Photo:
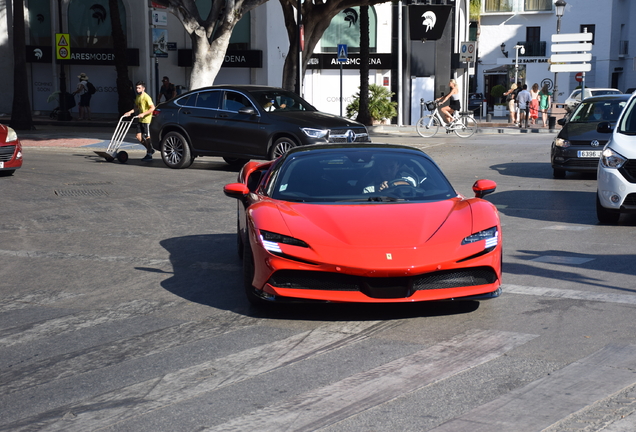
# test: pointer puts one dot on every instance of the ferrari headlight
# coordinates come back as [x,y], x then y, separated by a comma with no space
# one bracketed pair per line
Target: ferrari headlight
[560,142]
[491,235]
[271,241]
[611,159]
[11,135]
[315,133]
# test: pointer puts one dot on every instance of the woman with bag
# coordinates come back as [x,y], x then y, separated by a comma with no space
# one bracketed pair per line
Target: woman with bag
[512,104]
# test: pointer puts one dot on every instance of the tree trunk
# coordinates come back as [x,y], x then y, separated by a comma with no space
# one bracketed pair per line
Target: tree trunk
[21,109]
[125,91]
[208,58]
[364,116]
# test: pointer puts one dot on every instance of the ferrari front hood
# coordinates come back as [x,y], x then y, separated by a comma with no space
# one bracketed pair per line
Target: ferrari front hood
[397,225]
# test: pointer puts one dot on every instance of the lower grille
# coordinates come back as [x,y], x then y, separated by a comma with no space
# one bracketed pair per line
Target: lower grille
[630,200]
[583,163]
[6,153]
[629,170]
[390,287]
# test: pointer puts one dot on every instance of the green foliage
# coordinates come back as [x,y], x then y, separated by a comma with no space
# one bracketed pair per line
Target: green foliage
[497,91]
[475,10]
[380,105]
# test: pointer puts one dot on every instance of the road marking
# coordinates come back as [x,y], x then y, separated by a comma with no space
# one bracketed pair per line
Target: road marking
[362,391]
[64,255]
[555,259]
[568,227]
[70,323]
[570,294]
[36,298]
[117,352]
[543,402]
[141,398]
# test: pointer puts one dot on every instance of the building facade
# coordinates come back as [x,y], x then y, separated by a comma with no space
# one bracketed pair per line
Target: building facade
[531,23]
[413,66]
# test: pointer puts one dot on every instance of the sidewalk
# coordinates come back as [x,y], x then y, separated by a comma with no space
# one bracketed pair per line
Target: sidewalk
[97,133]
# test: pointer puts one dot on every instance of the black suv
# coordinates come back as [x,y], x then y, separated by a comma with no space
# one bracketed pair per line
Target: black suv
[243,122]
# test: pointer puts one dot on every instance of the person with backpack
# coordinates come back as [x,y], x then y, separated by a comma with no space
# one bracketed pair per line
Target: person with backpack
[85,90]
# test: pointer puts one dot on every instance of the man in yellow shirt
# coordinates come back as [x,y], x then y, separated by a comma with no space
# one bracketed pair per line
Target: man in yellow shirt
[145,106]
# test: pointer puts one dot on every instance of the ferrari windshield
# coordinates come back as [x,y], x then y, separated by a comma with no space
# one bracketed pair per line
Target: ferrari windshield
[365,175]
[598,111]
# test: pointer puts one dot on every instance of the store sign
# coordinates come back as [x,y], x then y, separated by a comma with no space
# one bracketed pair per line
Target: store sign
[233,58]
[81,56]
[427,22]
[330,61]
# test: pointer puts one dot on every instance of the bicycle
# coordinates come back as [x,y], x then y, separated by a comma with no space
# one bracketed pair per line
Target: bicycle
[463,124]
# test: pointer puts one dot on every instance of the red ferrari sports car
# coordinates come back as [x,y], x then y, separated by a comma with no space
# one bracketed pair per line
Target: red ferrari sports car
[363,223]
[10,151]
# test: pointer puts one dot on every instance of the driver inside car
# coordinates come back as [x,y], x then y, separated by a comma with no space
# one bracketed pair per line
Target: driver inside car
[388,173]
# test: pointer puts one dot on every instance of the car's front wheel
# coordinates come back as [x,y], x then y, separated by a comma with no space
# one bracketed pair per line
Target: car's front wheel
[606,216]
[280,147]
[175,151]
[248,277]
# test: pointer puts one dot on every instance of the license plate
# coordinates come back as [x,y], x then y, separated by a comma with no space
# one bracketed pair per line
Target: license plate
[590,153]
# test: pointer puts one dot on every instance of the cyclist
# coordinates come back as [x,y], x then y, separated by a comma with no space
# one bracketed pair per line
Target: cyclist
[455,104]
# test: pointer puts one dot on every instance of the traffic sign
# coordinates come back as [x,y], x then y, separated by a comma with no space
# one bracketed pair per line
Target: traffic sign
[579,77]
[342,53]
[572,37]
[571,67]
[571,47]
[566,58]
[62,46]
[467,51]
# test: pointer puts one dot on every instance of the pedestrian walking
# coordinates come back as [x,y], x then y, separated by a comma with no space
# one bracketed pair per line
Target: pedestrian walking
[167,90]
[534,103]
[512,103]
[145,106]
[84,91]
[544,103]
[523,104]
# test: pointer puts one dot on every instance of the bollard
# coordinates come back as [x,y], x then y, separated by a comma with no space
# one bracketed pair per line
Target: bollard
[551,122]
[421,107]
[488,117]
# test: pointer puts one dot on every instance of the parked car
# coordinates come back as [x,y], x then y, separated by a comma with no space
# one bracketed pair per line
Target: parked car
[616,178]
[243,122]
[475,103]
[370,223]
[10,151]
[575,97]
[578,145]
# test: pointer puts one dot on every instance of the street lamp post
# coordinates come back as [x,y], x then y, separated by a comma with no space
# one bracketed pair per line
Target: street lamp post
[63,114]
[523,51]
[559,5]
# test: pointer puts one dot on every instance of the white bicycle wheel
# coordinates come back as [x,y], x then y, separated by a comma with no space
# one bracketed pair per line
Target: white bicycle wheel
[465,127]
[427,126]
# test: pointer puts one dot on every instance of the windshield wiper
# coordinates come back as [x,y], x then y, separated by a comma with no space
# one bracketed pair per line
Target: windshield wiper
[385,198]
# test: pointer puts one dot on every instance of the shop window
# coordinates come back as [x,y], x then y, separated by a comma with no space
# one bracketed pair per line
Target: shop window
[40,22]
[89,23]
[538,5]
[498,6]
[345,29]
[240,39]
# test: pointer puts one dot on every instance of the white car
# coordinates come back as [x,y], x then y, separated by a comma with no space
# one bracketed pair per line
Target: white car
[575,97]
[616,188]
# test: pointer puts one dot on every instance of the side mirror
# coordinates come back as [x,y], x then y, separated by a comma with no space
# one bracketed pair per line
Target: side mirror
[236,190]
[604,127]
[562,121]
[484,187]
[247,110]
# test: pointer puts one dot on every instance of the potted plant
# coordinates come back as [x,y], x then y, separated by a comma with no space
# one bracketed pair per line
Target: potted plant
[497,92]
[381,108]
